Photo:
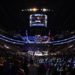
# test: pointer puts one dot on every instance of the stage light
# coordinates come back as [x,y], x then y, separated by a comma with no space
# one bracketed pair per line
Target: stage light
[29,9]
[44,9]
[7,47]
[34,9]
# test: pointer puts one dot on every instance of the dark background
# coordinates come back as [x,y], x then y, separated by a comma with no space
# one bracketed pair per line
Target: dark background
[61,19]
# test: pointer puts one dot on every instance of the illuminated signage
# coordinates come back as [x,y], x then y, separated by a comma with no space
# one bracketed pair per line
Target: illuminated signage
[38,20]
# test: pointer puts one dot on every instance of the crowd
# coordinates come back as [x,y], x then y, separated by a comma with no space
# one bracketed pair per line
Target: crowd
[21,66]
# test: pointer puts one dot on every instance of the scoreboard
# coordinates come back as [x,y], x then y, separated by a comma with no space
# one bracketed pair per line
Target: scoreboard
[38,20]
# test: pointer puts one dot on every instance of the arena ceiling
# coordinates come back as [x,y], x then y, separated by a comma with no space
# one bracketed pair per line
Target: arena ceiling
[63,18]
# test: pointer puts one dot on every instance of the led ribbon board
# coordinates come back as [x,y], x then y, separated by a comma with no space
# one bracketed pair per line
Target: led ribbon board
[38,20]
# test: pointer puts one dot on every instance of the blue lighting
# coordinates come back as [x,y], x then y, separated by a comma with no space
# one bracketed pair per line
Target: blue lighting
[38,20]
[31,40]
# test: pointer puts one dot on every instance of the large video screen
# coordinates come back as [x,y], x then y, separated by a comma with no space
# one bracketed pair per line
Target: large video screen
[38,20]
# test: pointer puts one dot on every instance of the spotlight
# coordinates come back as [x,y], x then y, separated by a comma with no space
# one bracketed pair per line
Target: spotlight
[34,9]
[29,9]
[44,9]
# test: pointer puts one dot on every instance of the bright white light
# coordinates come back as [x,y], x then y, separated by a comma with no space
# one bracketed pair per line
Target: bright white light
[37,53]
[7,47]
[44,9]
[70,46]
[34,9]
[30,9]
